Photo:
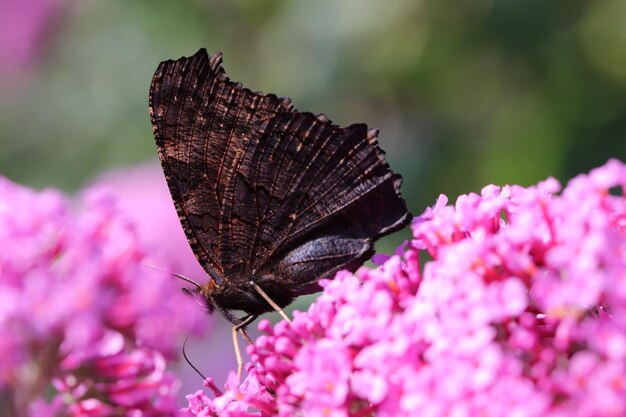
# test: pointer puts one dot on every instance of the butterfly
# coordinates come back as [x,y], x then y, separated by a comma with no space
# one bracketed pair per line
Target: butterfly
[271,199]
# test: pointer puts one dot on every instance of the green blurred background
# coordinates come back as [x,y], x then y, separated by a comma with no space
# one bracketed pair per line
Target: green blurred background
[465,93]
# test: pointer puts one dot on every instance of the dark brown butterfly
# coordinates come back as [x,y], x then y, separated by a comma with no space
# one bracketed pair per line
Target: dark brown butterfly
[266,194]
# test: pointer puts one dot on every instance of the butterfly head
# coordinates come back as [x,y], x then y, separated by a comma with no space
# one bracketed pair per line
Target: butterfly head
[202,294]
[208,296]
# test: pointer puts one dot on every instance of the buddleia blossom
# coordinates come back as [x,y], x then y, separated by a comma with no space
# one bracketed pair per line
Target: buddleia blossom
[520,312]
[86,326]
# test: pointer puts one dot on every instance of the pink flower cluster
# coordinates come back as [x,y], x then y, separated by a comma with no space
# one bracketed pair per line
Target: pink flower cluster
[85,324]
[521,312]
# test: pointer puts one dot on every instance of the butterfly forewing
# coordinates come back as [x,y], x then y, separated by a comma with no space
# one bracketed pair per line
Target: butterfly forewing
[201,123]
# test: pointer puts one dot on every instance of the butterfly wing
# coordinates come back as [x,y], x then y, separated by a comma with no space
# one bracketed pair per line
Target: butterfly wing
[264,191]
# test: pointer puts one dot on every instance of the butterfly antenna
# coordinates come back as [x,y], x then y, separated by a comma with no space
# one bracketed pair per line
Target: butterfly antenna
[187,358]
[189,280]
[270,301]
[179,276]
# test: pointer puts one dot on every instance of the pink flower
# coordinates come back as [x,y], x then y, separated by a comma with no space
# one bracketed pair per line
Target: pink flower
[80,309]
[119,383]
[521,312]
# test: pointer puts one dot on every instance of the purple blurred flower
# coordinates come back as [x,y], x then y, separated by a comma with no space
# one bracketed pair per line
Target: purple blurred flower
[80,311]
[521,312]
[119,383]
[23,26]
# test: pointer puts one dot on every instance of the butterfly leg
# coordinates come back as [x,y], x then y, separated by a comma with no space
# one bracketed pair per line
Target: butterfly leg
[270,301]
[241,327]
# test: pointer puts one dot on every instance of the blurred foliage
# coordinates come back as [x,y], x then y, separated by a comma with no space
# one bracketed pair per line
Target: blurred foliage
[465,93]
